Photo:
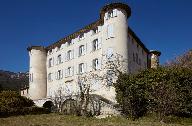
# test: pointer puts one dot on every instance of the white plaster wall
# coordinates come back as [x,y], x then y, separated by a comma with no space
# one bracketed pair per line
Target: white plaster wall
[38,86]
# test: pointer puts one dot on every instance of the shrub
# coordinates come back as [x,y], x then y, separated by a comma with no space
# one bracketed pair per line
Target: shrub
[164,91]
[11,103]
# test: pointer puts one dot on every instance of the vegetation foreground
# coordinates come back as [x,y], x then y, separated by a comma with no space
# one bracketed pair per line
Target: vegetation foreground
[64,120]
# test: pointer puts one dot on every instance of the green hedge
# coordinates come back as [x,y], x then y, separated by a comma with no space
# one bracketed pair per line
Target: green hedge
[164,91]
[11,103]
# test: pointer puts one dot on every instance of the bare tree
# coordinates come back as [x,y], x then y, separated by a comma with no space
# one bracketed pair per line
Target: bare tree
[112,66]
[184,60]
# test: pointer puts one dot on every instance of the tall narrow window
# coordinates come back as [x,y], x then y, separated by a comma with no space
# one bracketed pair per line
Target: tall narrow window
[59,59]
[31,77]
[133,57]
[137,58]
[95,64]
[50,77]
[69,55]
[59,74]
[81,68]
[95,45]
[81,50]
[50,62]
[110,31]
[69,70]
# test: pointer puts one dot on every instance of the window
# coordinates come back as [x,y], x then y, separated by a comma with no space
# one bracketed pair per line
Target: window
[81,50]
[133,57]
[110,31]
[59,59]
[69,71]
[139,61]
[50,52]
[110,14]
[95,45]
[81,36]
[59,74]
[69,42]
[109,53]
[95,64]
[50,62]
[95,30]
[31,77]
[50,77]
[81,68]
[137,58]
[69,55]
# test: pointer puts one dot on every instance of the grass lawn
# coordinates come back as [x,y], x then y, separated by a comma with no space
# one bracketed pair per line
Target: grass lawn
[63,120]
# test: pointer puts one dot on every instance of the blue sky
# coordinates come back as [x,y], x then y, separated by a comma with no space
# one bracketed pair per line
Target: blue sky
[165,25]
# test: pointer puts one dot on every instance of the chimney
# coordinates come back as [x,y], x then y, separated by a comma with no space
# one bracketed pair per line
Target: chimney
[154,58]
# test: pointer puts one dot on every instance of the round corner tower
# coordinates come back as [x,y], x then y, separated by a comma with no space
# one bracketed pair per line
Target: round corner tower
[37,72]
[154,58]
[115,24]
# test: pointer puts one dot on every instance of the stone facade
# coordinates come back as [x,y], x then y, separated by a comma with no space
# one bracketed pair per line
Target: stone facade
[60,64]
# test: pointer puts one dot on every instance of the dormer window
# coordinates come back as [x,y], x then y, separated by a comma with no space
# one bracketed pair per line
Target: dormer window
[81,36]
[95,30]
[69,42]
[110,14]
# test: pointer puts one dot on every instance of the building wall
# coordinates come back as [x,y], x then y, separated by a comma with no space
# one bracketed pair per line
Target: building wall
[137,56]
[113,38]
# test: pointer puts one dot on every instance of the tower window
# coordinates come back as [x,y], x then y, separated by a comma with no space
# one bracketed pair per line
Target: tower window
[110,14]
[82,36]
[95,30]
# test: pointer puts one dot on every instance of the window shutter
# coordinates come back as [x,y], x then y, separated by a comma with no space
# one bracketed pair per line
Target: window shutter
[84,49]
[72,71]
[72,54]
[110,31]
[77,69]
[77,52]
[65,56]
[115,13]
[56,75]
[52,62]
[66,72]
[84,67]
[99,63]
[109,53]
[61,74]
[99,42]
